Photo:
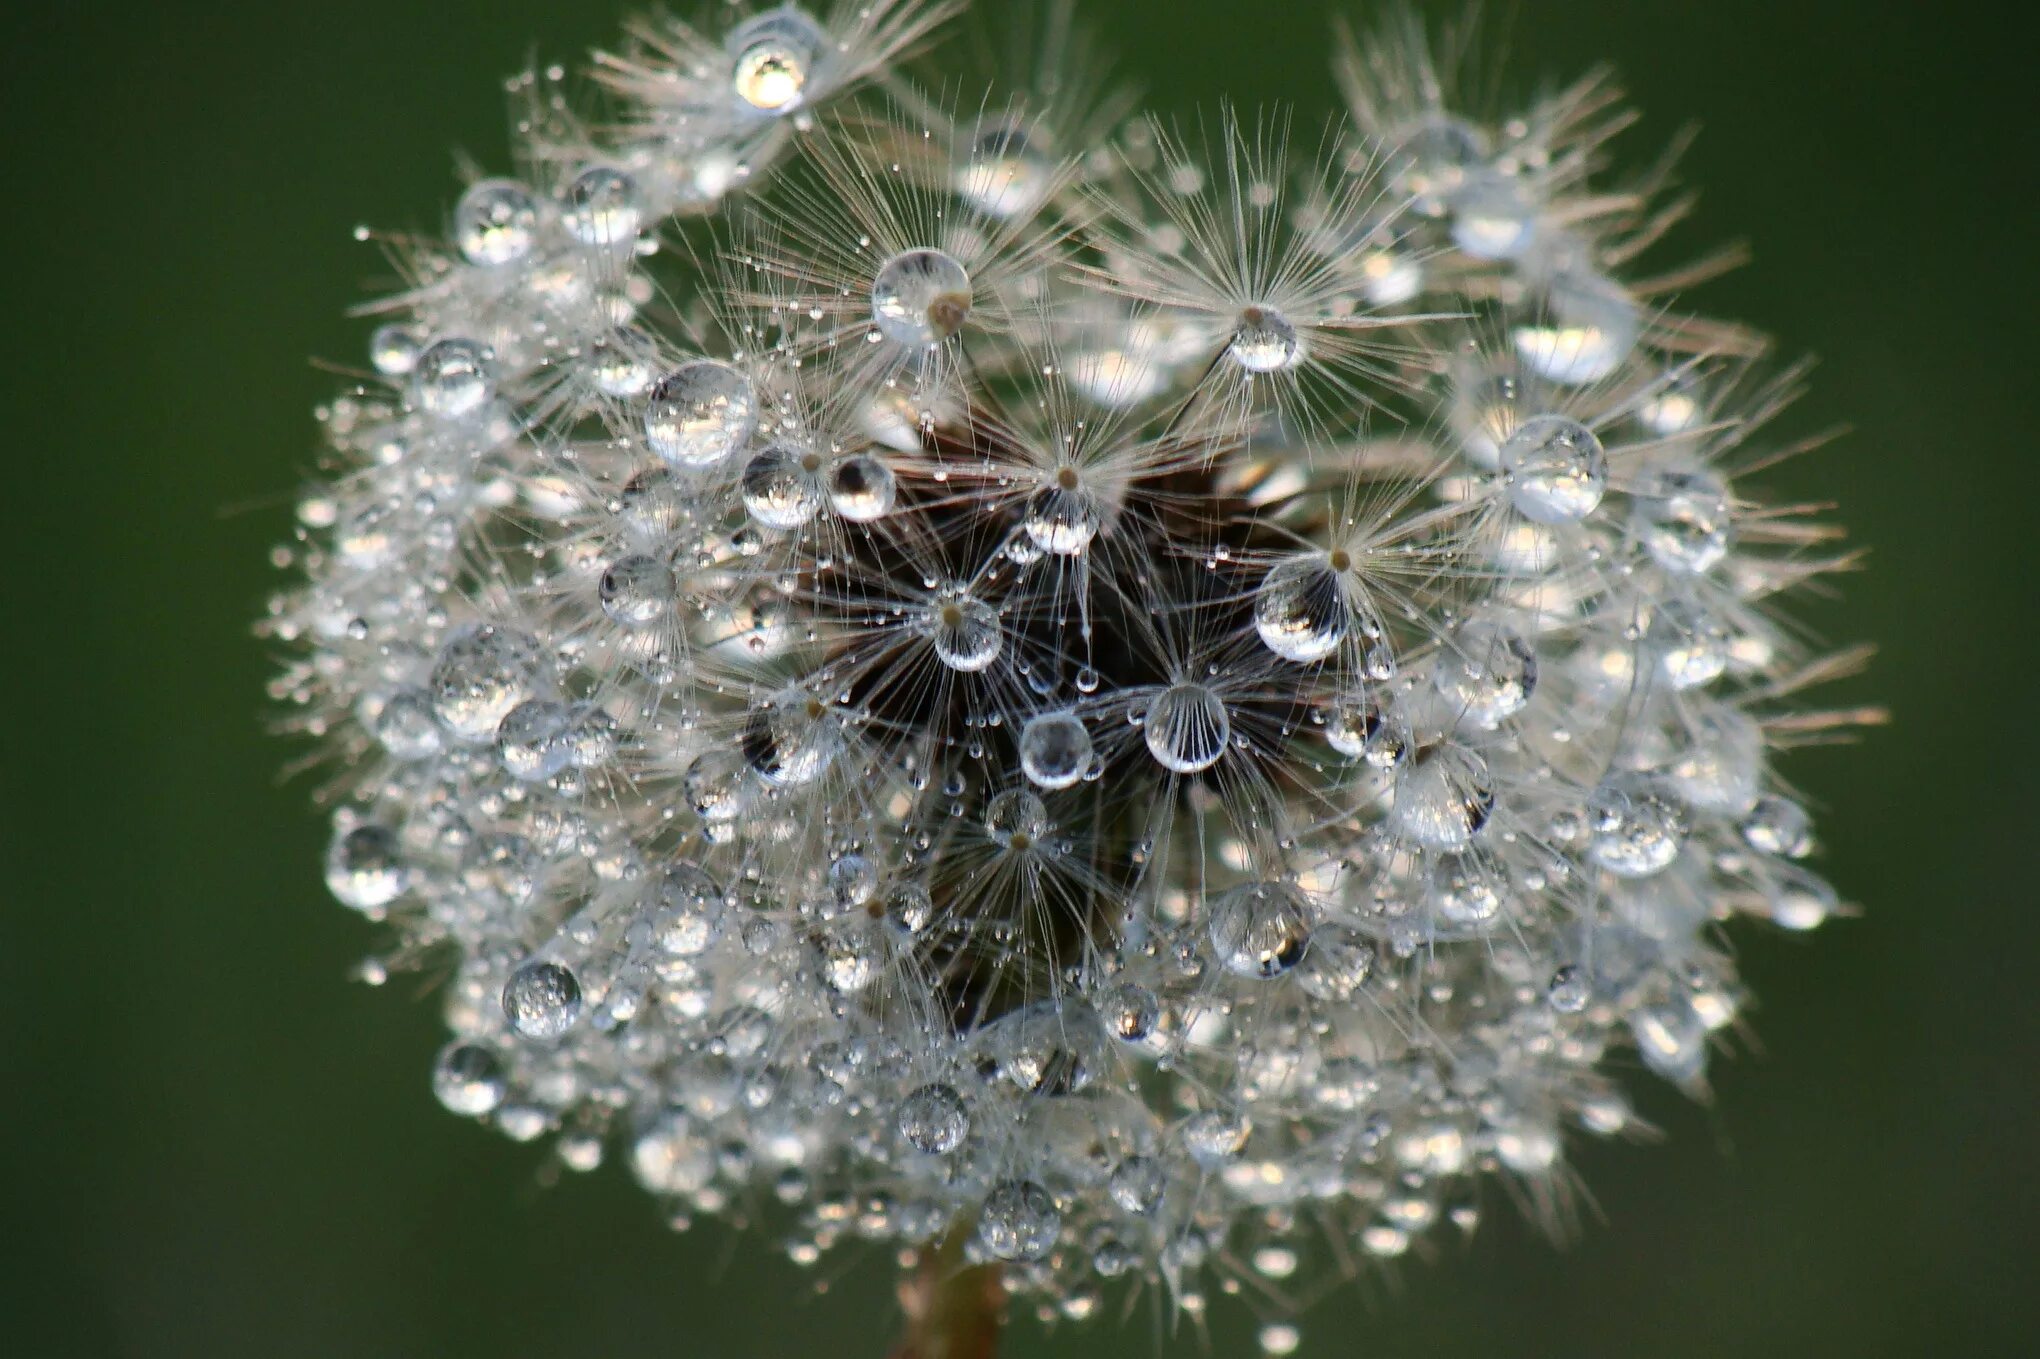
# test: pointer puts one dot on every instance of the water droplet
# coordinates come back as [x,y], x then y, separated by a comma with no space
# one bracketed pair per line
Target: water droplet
[453,379]
[393,350]
[920,298]
[468,1079]
[1278,1338]
[481,673]
[1444,798]
[1671,1039]
[1259,930]
[1017,820]
[700,413]
[1569,990]
[532,740]
[365,868]
[775,55]
[1361,729]
[1799,900]
[1187,728]
[1636,830]
[781,488]
[1214,1137]
[602,207]
[1467,891]
[933,1119]
[792,738]
[1492,216]
[1302,609]
[1780,826]
[1005,174]
[1019,1221]
[1487,672]
[686,911]
[1055,750]
[1265,341]
[964,630]
[909,909]
[1593,326]
[1690,642]
[636,590]
[1555,469]
[407,726]
[1063,516]
[1682,518]
[496,222]
[542,1000]
[862,488]
[853,953]
[1130,1011]
[1137,1184]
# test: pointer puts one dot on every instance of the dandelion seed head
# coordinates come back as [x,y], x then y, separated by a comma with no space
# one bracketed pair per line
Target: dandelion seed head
[1156,706]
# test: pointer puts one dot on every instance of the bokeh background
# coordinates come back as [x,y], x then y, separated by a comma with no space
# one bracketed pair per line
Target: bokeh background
[214,1145]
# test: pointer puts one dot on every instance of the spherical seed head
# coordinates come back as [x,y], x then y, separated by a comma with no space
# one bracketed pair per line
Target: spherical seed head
[1153,702]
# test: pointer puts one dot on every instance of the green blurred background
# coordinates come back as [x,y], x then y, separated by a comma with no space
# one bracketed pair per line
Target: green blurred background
[216,1146]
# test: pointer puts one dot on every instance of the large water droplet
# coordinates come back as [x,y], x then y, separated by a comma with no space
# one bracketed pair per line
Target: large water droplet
[1635,829]
[1555,469]
[481,673]
[1019,1221]
[496,222]
[365,868]
[453,379]
[1444,798]
[1055,750]
[933,1119]
[700,413]
[920,298]
[542,1000]
[964,630]
[1302,610]
[1187,728]
[781,487]
[1260,930]
[1487,672]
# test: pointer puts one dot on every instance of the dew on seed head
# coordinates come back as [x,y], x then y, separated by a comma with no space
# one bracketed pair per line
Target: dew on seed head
[1187,728]
[453,379]
[1486,672]
[1019,1221]
[496,222]
[365,868]
[1555,469]
[542,999]
[964,631]
[636,590]
[933,1119]
[1055,750]
[919,298]
[1260,930]
[481,673]
[774,59]
[861,488]
[1634,828]
[1302,611]
[468,1079]
[700,413]
[602,207]
[1265,341]
[780,486]
[1444,798]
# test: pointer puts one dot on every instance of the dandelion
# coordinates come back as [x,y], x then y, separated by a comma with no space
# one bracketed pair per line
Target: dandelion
[1114,710]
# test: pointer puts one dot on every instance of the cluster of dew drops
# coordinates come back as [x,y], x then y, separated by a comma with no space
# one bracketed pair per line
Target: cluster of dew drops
[1156,707]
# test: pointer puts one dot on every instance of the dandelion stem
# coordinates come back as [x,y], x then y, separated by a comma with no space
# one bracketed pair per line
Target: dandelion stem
[953,1310]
